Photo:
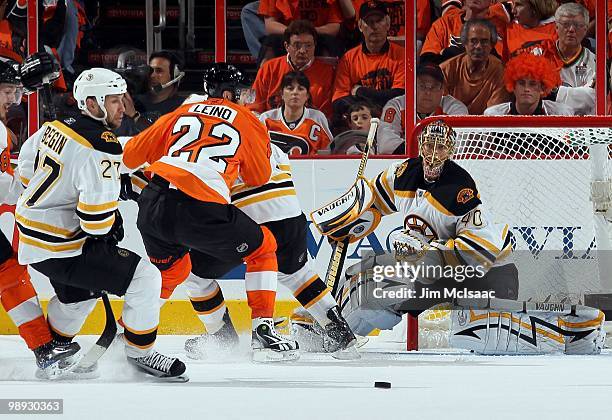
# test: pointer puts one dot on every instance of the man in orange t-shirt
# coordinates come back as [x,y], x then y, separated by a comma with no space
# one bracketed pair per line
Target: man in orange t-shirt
[373,70]
[325,16]
[443,40]
[300,40]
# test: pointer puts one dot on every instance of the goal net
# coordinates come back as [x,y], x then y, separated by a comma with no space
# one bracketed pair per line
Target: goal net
[535,174]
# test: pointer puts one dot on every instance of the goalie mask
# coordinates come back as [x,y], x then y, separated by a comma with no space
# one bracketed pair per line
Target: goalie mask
[222,77]
[436,146]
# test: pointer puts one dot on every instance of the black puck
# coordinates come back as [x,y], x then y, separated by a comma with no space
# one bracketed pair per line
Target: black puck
[385,385]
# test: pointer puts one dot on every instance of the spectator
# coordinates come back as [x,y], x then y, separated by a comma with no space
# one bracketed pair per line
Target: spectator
[476,77]
[373,70]
[576,64]
[300,41]
[293,127]
[530,78]
[162,96]
[253,27]
[323,14]
[359,116]
[535,22]
[443,40]
[430,100]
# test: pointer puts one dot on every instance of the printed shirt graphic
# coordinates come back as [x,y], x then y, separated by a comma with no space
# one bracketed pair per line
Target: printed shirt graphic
[303,137]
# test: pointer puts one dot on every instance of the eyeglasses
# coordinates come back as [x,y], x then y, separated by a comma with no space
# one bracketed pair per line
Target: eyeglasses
[299,45]
[429,87]
[483,42]
[566,25]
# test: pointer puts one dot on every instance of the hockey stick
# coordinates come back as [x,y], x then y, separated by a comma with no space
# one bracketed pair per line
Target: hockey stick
[340,248]
[104,341]
[48,98]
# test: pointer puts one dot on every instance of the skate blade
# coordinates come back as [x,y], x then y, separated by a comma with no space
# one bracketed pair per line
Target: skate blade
[349,353]
[54,372]
[271,356]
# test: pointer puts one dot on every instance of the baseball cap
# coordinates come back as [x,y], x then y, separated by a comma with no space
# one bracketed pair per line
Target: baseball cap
[430,69]
[372,6]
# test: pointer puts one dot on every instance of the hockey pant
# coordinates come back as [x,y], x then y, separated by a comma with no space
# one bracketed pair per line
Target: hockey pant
[175,227]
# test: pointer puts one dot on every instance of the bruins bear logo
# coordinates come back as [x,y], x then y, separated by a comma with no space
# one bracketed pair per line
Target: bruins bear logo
[465,195]
[416,223]
[109,137]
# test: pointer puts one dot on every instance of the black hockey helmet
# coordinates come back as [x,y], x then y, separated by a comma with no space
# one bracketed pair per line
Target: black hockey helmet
[9,72]
[222,77]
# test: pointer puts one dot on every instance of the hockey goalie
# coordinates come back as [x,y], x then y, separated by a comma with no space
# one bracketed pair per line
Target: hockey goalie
[448,250]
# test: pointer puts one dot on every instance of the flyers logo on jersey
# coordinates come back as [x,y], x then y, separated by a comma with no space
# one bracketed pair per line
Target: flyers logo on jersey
[109,137]
[465,195]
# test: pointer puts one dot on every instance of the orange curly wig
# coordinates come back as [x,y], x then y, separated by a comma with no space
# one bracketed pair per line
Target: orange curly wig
[532,67]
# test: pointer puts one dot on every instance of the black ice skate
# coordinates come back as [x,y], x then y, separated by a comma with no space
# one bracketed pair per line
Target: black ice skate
[161,366]
[225,338]
[269,346]
[338,338]
[55,359]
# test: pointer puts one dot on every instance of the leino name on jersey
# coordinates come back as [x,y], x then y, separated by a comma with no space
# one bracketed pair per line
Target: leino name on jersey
[219,111]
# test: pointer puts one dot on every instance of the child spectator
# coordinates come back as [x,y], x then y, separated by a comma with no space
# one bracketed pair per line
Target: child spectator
[293,127]
[359,115]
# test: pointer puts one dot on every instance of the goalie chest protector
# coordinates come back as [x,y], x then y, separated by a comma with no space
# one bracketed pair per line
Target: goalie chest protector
[433,208]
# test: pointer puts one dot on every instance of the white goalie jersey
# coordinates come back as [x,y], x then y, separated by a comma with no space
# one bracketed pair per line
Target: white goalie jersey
[448,211]
[276,199]
[70,170]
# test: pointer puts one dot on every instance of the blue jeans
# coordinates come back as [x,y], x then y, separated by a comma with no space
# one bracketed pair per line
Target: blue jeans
[253,27]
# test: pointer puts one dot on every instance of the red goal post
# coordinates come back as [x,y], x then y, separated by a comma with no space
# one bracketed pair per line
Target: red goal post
[578,146]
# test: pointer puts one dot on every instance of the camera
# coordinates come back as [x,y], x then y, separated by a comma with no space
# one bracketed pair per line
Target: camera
[136,77]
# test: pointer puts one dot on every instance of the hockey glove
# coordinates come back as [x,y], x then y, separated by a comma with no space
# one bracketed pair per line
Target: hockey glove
[37,69]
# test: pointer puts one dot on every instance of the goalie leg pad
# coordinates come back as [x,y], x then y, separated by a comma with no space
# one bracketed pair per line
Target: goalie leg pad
[503,327]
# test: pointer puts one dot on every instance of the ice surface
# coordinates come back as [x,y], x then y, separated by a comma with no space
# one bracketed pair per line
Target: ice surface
[454,385]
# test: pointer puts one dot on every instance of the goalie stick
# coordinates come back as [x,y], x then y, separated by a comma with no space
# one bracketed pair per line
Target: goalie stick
[340,248]
[104,341]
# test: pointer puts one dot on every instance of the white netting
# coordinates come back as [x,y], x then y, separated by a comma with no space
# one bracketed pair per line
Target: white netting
[538,180]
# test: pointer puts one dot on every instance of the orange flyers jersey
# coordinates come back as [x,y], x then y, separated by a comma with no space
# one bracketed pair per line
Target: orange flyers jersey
[319,12]
[303,137]
[381,71]
[202,148]
[520,39]
[10,186]
[446,31]
[270,75]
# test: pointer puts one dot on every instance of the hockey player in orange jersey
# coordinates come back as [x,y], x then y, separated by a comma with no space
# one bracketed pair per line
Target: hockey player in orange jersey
[17,295]
[195,154]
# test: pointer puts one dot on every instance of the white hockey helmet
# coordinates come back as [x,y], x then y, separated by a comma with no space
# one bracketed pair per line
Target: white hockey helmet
[97,82]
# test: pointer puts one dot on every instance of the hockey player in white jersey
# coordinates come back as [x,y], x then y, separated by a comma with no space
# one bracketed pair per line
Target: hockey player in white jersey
[17,295]
[274,205]
[450,241]
[69,223]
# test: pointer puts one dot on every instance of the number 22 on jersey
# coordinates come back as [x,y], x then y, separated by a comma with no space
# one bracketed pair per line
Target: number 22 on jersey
[221,141]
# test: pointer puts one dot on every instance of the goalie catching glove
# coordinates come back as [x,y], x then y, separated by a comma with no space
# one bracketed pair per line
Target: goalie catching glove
[350,216]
